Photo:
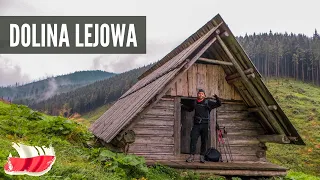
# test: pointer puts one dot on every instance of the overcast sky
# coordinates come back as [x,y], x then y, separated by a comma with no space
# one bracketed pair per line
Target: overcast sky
[168,24]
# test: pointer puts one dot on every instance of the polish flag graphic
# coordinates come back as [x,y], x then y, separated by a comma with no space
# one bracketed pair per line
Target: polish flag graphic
[33,160]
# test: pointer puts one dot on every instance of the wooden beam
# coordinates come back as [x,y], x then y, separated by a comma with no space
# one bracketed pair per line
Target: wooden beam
[256,109]
[253,90]
[261,154]
[264,92]
[197,56]
[288,132]
[266,124]
[233,172]
[293,138]
[214,51]
[213,131]
[250,76]
[177,125]
[281,139]
[263,146]
[213,61]
[235,75]
[247,100]
[272,107]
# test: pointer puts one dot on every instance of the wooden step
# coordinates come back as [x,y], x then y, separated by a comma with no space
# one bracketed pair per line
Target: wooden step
[226,168]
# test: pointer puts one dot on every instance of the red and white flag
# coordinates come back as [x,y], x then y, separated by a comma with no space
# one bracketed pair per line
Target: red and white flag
[33,160]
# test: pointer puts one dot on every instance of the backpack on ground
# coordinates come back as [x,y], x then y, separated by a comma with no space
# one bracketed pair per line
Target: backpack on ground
[212,155]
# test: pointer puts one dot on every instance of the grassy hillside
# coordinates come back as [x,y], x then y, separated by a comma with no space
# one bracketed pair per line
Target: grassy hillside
[20,124]
[92,116]
[301,103]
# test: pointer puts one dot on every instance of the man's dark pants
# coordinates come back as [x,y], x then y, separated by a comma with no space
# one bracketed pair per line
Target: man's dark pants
[199,130]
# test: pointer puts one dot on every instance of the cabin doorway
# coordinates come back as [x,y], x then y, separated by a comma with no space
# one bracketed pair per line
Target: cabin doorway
[186,127]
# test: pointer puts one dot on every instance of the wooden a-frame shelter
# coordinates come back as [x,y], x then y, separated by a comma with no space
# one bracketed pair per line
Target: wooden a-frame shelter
[150,118]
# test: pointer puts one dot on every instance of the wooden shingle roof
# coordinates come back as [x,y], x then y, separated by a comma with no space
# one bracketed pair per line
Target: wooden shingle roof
[152,82]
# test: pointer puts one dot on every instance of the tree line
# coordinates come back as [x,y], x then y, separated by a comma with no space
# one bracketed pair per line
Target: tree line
[285,55]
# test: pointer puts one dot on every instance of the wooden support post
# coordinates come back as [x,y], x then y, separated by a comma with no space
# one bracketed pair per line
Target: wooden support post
[251,88]
[177,125]
[281,139]
[213,61]
[213,127]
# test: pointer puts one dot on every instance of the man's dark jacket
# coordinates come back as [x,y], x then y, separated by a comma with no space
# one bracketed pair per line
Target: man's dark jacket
[203,108]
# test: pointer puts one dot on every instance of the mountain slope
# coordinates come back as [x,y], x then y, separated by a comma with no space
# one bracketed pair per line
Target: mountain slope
[92,96]
[44,89]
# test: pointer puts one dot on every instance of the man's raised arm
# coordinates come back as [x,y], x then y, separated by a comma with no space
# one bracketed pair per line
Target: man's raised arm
[214,103]
[187,108]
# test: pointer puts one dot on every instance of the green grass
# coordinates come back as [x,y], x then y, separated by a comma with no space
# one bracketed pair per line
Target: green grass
[293,175]
[301,103]
[20,124]
[95,114]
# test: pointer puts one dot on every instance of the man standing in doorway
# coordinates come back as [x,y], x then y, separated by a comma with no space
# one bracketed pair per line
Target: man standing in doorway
[201,119]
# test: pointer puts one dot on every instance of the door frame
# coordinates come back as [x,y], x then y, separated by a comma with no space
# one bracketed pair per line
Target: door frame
[212,139]
[177,125]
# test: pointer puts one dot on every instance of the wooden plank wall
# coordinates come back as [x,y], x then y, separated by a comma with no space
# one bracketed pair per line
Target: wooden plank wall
[154,131]
[242,128]
[211,78]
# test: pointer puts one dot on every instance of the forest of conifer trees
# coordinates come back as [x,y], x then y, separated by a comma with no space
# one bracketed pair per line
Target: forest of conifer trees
[90,97]
[285,55]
